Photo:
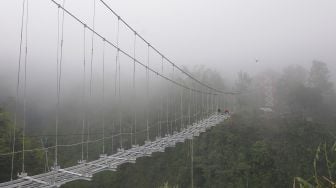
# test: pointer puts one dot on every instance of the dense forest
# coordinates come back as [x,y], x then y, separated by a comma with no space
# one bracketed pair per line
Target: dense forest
[244,152]
[292,146]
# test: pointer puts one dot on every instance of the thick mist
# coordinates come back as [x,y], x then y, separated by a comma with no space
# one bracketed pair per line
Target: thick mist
[226,36]
[262,53]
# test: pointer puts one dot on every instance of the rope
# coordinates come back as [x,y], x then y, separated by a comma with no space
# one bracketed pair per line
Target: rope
[207,105]
[175,110]
[118,76]
[211,105]
[125,53]
[181,109]
[148,69]
[161,105]
[161,54]
[174,113]
[174,104]
[212,101]
[152,125]
[46,166]
[134,90]
[103,99]
[113,129]
[202,106]
[59,68]
[80,134]
[147,90]
[17,91]
[131,136]
[189,110]
[193,109]
[218,102]
[167,113]
[192,162]
[91,76]
[84,89]
[120,110]
[159,122]
[25,92]
[59,77]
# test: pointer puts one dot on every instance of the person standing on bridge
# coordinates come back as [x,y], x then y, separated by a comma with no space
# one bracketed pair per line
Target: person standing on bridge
[226,112]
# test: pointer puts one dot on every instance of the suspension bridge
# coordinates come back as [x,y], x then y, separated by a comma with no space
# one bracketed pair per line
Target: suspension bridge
[189,110]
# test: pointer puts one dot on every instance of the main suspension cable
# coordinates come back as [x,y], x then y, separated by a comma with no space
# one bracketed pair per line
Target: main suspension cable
[161,54]
[125,53]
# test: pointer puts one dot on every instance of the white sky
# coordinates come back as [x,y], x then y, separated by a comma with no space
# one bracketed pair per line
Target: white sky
[224,34]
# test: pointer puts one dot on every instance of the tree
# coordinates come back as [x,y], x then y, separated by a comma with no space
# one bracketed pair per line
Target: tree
[289,85]
[33,161]
[293,76]
[319,77]
[242,85]
[243,81]
[5,145]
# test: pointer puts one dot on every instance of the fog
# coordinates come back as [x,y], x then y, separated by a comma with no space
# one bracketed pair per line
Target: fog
[226,35]
[231,45]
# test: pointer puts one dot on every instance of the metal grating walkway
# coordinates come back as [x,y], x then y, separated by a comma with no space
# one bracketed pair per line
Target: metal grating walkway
[85,170]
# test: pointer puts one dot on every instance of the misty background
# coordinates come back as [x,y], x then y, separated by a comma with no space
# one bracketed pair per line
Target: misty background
[230,45]
[213,40]
[226,35]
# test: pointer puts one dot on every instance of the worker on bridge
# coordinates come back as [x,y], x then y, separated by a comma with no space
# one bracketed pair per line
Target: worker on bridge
[226,112]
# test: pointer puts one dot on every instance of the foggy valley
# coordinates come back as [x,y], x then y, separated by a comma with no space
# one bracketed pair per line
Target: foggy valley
[196,93]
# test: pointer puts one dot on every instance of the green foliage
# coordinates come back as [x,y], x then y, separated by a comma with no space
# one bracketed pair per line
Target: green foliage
[166,185]
[319,76]
[5,145]
[302,183]
[324,169]
[243,81]
[32,160]
[247,151]
[244,152]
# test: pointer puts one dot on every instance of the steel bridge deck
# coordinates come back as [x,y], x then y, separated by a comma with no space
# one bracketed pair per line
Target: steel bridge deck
[85,170]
